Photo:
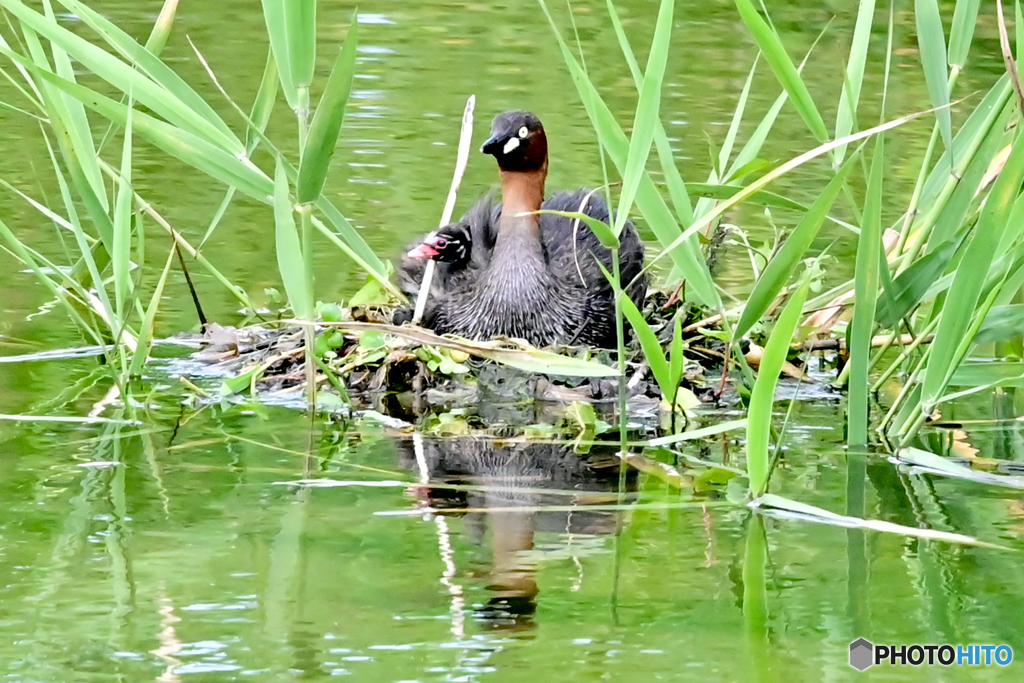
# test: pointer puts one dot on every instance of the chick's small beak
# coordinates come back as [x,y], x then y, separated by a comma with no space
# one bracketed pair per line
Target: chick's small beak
[494,144]
[422,251]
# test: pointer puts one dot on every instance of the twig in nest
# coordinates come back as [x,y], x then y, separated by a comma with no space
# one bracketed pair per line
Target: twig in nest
[461,160]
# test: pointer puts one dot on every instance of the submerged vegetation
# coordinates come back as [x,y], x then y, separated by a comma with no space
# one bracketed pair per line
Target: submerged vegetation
[934,300]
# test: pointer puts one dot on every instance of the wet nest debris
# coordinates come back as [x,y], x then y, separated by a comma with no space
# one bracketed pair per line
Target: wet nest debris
[365,360]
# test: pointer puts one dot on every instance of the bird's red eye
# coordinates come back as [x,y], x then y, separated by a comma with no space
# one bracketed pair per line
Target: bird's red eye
[440,243]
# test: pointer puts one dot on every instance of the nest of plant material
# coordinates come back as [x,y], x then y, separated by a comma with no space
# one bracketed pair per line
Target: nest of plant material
[360,355]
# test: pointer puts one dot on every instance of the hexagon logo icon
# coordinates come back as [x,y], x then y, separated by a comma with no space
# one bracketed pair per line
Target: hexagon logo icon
[862,654]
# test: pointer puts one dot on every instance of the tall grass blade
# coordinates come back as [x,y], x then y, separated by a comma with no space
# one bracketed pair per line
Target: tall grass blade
[300,26]
[263,105]
[180,143]
[778,172]
[289,252]
[846,116]
[330,113]
[778,271]
[75,121]
[762,396]
[120,257]
[961,33]
[274,16]
[931,41]
[145,341]
[673,180]
[162,27]
[647,116]
[151,82]
[259,116]
[685,253]
[870,256]
[777,57]
[966,288]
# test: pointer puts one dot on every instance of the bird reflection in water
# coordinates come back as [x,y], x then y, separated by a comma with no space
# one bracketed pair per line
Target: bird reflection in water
[515,490]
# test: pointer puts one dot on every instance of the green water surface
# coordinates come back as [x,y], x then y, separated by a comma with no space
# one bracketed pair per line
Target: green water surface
[182,545]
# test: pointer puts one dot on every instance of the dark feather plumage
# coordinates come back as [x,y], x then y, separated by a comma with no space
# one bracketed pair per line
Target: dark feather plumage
[548,293]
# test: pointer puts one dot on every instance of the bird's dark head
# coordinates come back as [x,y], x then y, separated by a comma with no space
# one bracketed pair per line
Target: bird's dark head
[449,244]
[518,142]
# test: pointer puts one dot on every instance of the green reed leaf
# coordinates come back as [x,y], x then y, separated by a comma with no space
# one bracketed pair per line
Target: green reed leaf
[120,257]
[870,256]
[931,42]
[326,125]
[277,30]
[777,57]
[961,304]
[684,252]
[181,144]
[762,397]
[162,28]
[850,96]
[601,230]
[778,271]
[677,191]
[289,252]
[965,19]
[647,113]
[151,82]
[300,27]
[145,340]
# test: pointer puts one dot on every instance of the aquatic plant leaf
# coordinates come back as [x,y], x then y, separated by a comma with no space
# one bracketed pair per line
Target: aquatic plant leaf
[601,230]
[785,508]
[1001,324]
[150,81]
[347,238]
[685,251]
[75,121]
[762,396]
[777,57]
[327,121]
[721,207]
[525,358]
[145,340]
[677,190]
[727,190]
[289,252]
[274,17]
[778,271]
[988,373]
[180,143]
[965,19]
[936,464]
[910,286]
[701,433]
[300,29]
[161,30]
[677,363]
[259,116]
[870,257]
[120,256]
[646,115]
[849,98]
[931,41]
[962,301]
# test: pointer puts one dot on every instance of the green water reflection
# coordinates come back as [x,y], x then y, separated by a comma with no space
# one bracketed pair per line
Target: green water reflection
[193,558]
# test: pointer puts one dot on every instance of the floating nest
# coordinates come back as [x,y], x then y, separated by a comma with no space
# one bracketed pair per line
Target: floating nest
[409,370]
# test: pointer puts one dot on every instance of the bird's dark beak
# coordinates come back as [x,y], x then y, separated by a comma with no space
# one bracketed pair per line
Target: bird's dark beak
[422,251]
[495,144]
